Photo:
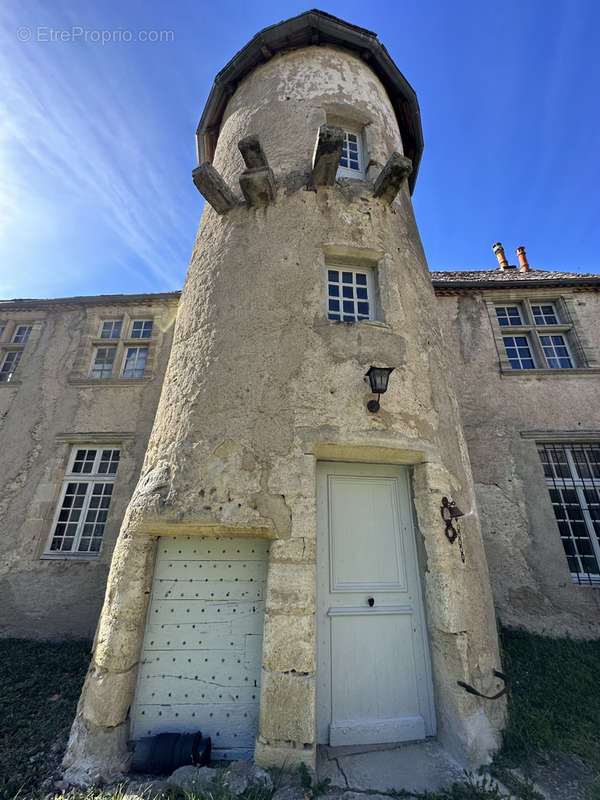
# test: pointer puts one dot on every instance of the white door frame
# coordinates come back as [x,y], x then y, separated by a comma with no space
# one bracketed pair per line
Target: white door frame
[406,522]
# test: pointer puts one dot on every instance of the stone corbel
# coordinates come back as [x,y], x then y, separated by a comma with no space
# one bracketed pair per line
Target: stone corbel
[213,188]
[257,181]
[391,177]
[327,155]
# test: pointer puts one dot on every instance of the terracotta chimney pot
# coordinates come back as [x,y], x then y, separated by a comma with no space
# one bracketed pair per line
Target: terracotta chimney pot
[523,263]
[499,251]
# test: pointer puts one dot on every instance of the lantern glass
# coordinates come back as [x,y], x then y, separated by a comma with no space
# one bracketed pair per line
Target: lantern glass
[378,378]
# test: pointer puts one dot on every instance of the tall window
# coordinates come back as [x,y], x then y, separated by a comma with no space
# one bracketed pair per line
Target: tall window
[21,334]
[86,493]
[9,365]
[573,479]
[518,352]
[350,295]
[135,362]
[102,363]
[352,159]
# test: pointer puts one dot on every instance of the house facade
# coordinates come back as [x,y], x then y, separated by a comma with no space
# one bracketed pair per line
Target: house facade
[298,564]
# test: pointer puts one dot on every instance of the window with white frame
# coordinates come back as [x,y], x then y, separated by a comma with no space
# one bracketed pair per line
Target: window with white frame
[573,479]
[21,334]
[352,158]
[9,365]
[110,329]
[518,352]
[509,315]
[82,510]
[135,362]
[102,362]
[540,338]
[141,329]
[350,294]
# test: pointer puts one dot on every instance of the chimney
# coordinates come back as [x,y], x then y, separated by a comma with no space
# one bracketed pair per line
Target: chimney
[523,263]
[499,251]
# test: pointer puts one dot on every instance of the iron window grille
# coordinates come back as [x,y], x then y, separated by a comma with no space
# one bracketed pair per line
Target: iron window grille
[9,365]
[82,511]
[22,334]
[111,329]
[573,479]
[350,295]
[141,329]
[102,363]
[135,362]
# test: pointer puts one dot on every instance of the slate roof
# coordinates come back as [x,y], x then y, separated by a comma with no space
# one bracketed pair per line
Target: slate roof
[509,278]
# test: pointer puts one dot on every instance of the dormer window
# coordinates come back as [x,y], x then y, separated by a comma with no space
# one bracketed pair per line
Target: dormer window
[352,159]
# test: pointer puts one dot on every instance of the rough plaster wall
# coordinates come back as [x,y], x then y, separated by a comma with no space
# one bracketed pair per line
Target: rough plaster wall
[260,384]
[530,579]
[60,598]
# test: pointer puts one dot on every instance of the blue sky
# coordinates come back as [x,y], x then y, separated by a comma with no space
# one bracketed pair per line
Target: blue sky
[97,141]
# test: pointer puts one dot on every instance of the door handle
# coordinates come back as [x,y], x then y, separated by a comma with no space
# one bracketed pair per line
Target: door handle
[371,601]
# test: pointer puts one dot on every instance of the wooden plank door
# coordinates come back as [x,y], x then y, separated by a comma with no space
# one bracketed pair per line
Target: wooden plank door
[374,680]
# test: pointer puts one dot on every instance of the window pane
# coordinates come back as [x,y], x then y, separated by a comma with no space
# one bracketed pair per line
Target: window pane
[519,352]
[556,352]
[135,362]
[508,315]
[22,334]
[141,329]
[354,289]
[351,152]
[575,505]
[545,315]
[111,329]
[9,365]
[103,362]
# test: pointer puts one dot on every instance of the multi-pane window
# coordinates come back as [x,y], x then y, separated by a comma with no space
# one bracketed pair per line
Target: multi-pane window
[518,352]
[21,334]
[556,351]
[349,295]
[82,511]
[573,479]
[539,338]
[9,365]
[111,329]
[102,363]
[351,161]
[509,315]
[135,362]
[141,329]
[545,314]
[1,331]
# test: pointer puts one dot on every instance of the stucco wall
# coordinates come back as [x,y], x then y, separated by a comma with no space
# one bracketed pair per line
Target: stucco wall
[530,578]
[50,406]
[260,385]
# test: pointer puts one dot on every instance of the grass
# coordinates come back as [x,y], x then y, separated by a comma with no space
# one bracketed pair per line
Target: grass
[554,704]
[40,683]
[554,699]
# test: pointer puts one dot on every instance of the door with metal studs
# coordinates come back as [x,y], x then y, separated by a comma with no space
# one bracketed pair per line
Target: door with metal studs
[201,657]
[374,681]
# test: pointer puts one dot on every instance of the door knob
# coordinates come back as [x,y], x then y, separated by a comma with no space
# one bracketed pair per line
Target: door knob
[371,601]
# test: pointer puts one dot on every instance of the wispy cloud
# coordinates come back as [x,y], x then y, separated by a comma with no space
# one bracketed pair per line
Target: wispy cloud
[73,127]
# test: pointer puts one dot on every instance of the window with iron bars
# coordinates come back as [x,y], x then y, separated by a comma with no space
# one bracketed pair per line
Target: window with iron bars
[573,479]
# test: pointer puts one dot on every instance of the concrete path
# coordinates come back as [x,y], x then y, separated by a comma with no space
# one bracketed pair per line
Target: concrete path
[418,766]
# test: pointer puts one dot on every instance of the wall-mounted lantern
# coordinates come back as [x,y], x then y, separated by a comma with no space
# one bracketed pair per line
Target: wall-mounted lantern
[378,378]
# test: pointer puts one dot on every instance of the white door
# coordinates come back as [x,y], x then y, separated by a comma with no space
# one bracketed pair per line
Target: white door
[202,651]
[374,680]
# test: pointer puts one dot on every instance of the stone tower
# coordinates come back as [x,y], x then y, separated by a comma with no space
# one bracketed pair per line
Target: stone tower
[307,270]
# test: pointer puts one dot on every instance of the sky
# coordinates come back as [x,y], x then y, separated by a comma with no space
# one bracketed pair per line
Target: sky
[97,138]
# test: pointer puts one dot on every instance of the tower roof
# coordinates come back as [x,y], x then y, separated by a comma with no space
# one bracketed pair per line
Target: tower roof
[314,27]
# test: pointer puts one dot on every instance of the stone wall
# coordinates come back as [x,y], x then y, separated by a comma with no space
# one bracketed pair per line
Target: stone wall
[50,406]
[261,385]
[504,415]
